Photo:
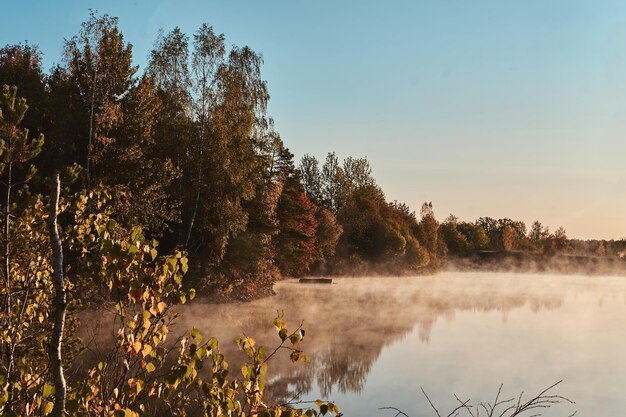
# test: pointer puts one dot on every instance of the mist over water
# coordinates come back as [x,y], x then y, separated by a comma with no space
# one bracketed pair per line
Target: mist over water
[373,342]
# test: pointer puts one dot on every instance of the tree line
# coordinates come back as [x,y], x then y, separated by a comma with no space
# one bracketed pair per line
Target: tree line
[488,234]
[189,153]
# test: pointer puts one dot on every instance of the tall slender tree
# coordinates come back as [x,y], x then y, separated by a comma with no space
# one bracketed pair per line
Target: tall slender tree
[99,63]
[169,68]
[311,177]
[208,55]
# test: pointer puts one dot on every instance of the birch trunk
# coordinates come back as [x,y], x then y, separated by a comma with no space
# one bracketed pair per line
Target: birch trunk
[60,303]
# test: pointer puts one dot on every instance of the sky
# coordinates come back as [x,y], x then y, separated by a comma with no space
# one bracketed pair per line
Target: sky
[485,108]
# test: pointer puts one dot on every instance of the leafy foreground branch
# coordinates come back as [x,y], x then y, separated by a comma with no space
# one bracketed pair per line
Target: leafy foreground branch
[141,373]
[509,407]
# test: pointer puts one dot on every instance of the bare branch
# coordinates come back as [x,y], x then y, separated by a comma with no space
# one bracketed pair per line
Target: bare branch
[398,412]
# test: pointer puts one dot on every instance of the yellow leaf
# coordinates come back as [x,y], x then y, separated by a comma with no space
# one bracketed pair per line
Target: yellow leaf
[161,306]
[146,350]
[47,408]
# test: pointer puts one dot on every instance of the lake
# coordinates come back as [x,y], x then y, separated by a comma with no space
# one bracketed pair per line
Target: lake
[375,342]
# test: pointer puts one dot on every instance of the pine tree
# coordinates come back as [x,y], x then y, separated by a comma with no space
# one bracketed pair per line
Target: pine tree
[295,244]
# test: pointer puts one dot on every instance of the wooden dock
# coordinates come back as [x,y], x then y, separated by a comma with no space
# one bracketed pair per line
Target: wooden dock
[316,280]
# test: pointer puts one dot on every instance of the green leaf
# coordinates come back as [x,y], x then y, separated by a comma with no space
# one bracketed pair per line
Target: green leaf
[48,390]
[294,339]
[282,334]
[195,334]
[247,371]
[201,353]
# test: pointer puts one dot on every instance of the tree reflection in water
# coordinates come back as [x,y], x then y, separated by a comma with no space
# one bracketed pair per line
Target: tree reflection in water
[349,323]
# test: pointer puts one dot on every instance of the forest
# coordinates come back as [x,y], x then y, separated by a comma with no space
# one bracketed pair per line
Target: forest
[188,153]
[102,164]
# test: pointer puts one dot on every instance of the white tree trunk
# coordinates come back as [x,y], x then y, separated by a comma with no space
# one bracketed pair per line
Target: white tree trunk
[60,303]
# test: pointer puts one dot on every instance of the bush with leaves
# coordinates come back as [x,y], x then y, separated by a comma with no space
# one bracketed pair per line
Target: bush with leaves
[142,373]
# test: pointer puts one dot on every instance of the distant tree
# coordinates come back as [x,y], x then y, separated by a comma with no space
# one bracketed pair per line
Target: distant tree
[311,178]
[416,256]
[456,242]
[429,236]
[475,235]
[519,241]
[504,234]
[537,235]
[557,242]
[490,226]
[333,181]
[379,232]
[327,236]
[508,238]
[560,239]
[600,249]
[365,231]
[358,172]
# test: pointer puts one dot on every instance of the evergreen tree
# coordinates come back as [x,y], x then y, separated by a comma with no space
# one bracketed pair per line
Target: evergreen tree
[295,243]
[20,66]
[139,176]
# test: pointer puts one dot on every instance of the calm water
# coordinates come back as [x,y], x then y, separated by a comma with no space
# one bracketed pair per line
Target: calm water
[375,342]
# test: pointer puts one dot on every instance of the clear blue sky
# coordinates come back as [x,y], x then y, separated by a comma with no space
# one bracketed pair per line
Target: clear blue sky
[486,108]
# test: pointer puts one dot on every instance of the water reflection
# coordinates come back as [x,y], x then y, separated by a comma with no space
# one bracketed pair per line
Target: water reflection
[375,342]
[349,323]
